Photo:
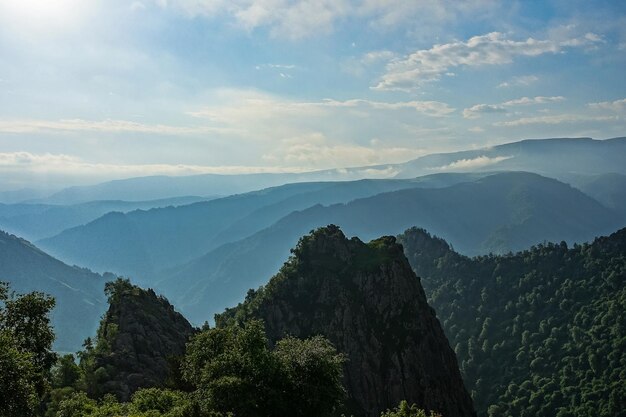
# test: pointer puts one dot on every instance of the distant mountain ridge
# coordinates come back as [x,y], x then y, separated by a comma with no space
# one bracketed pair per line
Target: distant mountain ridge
[551,157]
[554,158]
[38,221]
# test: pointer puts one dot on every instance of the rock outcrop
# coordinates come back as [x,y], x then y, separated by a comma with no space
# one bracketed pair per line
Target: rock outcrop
[368,302]
[140,340]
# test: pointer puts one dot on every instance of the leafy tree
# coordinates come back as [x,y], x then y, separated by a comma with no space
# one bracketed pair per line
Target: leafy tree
[66,379]
[77,405]
[18,394]
[65,373]
[312,372]
[235,371]
[404,410]
[26,354]
[151,402]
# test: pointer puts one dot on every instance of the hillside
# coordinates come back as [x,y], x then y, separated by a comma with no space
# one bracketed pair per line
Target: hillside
[39,221]
[608,189]
[539,333]
[78,292]
[366,300]
[497,213]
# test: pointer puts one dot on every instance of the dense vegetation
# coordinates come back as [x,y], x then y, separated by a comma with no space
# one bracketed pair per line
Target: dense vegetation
[537,333]
[225,372]
[222,372]
[25,351]
[228,371]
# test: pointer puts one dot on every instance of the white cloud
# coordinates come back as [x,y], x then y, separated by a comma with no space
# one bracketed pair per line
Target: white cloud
[477,110]
[295,19]
[357,66]
[317,150]
[428,65]
[523,80]
[616,106]
[326,133]
[63,165]
[373,57]
[555,120]
[428,108]
[104,126]
[474,163]
[525,101]
[245,106]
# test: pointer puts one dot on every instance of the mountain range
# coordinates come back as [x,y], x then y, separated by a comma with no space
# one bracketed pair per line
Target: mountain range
[497,213]
[557,158]
[141,243]
[204,255]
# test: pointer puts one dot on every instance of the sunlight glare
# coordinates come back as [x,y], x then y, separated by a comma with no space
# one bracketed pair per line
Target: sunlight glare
[42,16]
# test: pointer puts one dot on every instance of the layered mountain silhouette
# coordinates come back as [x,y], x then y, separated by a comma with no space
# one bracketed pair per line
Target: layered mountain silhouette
[143,242]
[556,158]
[497,213]
[37,221]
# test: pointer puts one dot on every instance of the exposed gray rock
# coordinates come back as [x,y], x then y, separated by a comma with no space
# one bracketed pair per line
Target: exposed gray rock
[367,301]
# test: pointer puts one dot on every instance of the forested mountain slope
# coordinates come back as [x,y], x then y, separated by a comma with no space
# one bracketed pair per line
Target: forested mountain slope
[540,333]
[78,292]
[608,189]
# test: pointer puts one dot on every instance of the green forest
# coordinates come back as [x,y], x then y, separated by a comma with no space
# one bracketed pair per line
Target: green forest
[228,371]
[537,333]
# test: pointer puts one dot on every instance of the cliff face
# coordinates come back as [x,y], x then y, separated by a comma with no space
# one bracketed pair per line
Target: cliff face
[139,341]
[368,302]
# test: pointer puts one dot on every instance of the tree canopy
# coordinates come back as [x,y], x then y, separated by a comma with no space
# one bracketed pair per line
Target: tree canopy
[26,355]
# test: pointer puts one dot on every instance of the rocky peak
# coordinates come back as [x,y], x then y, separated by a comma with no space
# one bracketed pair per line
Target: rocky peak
[367,301]
[139,339]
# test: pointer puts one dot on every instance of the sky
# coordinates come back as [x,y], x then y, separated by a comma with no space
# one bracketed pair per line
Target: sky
[92,90]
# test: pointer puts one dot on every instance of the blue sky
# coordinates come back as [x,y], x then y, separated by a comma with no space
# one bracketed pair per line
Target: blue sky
[95,90]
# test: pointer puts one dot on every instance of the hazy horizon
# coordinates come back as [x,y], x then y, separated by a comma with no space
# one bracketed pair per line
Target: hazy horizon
[92,91]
